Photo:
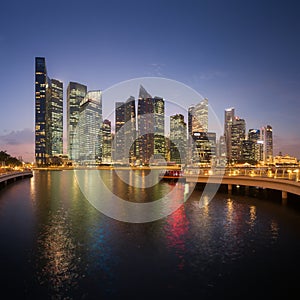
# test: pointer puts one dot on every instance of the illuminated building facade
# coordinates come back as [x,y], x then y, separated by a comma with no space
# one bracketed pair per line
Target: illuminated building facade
[204,147]
[42,96]
[90,122]
[159,128]
[229,120]
[48,114]
[237,135]
[267,138]
[178,139]
[55,119]
[145,126]
[75,94]
[119,138]
[106,141]
[130,129]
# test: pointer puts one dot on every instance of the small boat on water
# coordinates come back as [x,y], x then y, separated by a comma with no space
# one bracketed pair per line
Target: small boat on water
[172,175]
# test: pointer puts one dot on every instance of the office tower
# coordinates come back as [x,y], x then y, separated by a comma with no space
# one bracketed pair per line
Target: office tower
[237,135]
[159,129]
[90,121]
[204,147]
[75,94]
[198,117]
[42,96]
[119,138]
[190,120]
[228,121]
[267,138]
[178,139]
[254,135]
[222,147]
[54,123]
[130,130]
[248,152]
[106,141]
[145,126]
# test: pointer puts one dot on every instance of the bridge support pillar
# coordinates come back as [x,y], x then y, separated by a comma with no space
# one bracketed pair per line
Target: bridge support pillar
[284,197]
[229,188]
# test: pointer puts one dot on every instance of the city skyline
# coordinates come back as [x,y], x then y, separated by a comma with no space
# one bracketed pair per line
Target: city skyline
[235,54]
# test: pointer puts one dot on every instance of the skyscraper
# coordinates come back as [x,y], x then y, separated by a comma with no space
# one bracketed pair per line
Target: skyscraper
[254,135]
[178,139]
[200,117]
[75,94]
[90,121]
[229,120]
[119,138]
[267,138]
[145,126]
[130,130]
[55,118]
[106,141]
[42,95]
[48,114]
[237,135]
[159,128]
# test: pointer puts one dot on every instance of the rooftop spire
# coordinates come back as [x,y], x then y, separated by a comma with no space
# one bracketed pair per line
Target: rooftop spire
[143,93]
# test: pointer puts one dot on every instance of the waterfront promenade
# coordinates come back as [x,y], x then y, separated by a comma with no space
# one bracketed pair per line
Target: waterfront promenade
[12,176]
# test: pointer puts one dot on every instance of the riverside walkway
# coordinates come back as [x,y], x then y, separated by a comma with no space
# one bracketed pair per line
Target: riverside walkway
[12,176]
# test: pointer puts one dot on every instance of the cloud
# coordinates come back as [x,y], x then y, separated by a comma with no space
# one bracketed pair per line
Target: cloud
[18,137]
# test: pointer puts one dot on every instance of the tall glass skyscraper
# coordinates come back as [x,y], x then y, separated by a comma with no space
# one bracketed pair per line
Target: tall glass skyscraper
[90,122]
[229,120]
[130,129]
[119,138]
[48,114]
[178,139]
[42,95]
[145,126]
[237,134]
[55,118]
[106,141]
[159,128]
[200,117]
[267,137]
[75,94]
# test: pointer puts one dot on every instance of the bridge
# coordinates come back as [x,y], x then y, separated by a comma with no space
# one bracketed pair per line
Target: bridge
[9,177]
[285,180]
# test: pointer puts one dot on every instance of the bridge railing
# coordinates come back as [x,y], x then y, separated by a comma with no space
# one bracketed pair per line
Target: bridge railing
[277,173]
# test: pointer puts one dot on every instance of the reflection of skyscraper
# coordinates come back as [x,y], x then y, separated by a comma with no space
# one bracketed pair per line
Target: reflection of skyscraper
[90,121]
[106,141]
[267,137]
[178,139]
[55,118]
[75,94]
[42,95]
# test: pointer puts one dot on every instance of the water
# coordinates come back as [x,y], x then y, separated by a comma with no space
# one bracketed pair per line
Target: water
[55,245]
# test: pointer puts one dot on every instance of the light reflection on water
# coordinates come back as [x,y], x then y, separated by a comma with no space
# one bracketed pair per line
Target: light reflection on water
[71,251]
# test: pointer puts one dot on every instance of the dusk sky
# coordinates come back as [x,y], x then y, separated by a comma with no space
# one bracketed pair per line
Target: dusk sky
[242,54]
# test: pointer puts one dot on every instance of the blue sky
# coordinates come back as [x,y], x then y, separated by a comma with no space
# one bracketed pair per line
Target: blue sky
[236,53]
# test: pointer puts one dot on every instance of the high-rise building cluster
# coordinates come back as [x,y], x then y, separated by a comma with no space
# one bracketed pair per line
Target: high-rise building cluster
[241,147]
[139,137]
